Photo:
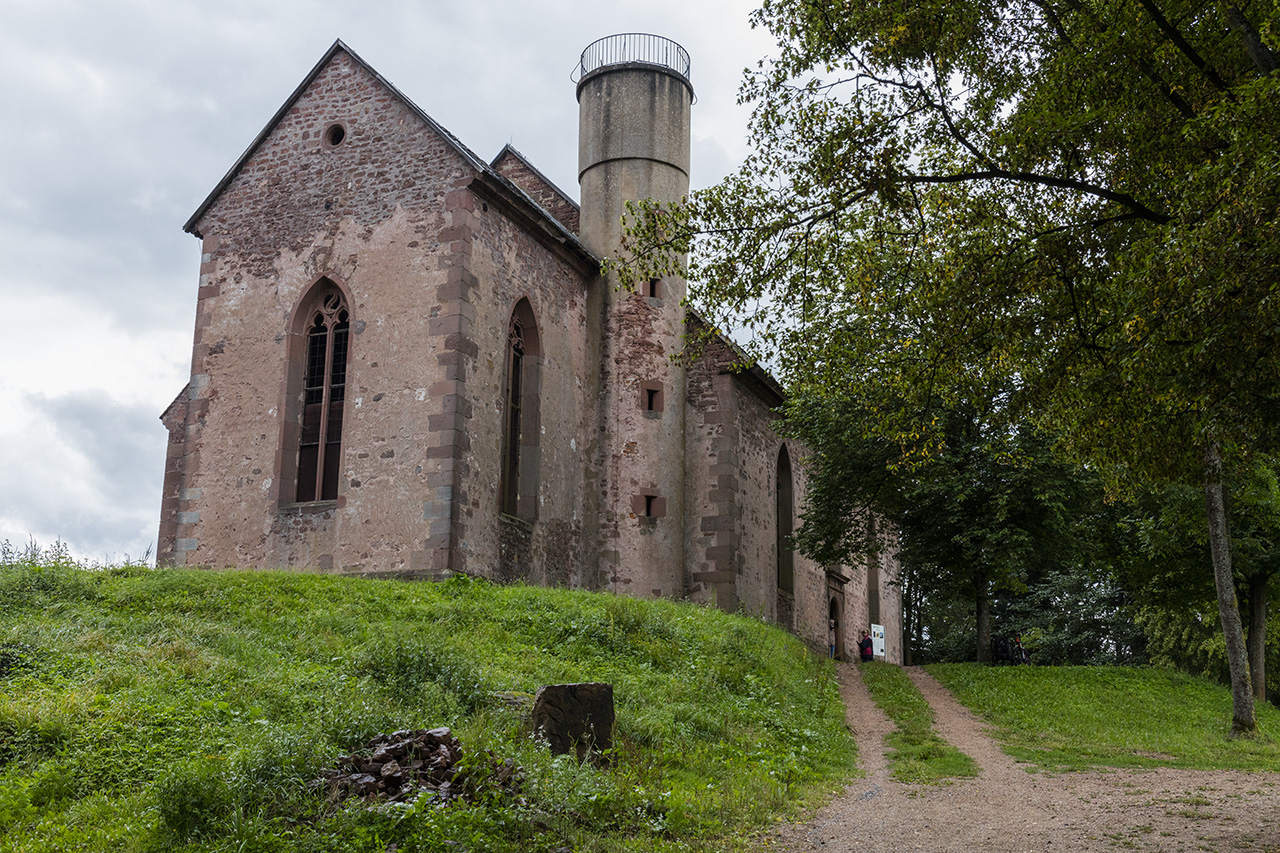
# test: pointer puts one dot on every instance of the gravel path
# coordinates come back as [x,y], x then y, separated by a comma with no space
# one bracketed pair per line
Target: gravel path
[1007,808]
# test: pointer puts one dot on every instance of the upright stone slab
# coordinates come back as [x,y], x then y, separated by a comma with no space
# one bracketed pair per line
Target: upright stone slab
[575,718]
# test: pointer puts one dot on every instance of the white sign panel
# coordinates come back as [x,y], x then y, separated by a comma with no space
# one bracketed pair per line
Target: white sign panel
[877,640]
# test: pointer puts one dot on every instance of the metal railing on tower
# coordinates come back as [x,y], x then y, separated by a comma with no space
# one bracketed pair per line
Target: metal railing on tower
[633,47]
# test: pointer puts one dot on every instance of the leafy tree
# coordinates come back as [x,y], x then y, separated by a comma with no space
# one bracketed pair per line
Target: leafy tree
[1176,596]
[1072,199]
[1073,614]
[987,511]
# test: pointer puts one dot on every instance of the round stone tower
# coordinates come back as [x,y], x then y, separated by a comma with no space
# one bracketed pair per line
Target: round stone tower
[634,99]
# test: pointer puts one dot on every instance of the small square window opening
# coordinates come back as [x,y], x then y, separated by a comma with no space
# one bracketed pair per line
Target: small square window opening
[651,401]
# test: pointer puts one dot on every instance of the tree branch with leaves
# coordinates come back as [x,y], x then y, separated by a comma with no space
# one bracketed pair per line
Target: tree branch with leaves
[1075,202]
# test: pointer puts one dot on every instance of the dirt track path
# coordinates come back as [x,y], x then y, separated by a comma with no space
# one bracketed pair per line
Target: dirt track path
[1008,809]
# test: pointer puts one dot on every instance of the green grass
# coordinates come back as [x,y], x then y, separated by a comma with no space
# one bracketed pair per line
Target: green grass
[919,755]
[146,710]
[1076,717]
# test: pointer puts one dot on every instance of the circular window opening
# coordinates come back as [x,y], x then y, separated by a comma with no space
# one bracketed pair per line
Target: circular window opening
[334,136]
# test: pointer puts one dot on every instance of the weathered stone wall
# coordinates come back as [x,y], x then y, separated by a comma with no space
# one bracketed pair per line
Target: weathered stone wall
[732,524]
[510,265]
[371,215]
[512,166]
[733,456]
[633,144]
[713,519]
[890,596]
[642,518]
[172,496]
[757,459]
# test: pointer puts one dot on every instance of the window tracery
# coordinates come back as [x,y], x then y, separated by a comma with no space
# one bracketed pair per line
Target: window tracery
[323,398]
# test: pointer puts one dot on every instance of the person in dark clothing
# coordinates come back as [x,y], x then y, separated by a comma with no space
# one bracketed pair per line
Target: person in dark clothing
[864,647]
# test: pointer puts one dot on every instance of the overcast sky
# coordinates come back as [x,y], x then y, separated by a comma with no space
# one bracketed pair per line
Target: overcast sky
[122,115]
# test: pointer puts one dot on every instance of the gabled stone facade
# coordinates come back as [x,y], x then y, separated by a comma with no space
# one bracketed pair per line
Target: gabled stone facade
[406,363]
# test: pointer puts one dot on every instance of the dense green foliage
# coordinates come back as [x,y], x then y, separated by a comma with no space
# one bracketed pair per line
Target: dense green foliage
[185,710]
[1175,594]
[918,754]
[1070,203]
[988,519]
[1114,716]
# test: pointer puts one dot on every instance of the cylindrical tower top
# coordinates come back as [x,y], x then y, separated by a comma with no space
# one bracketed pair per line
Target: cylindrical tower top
[634,100]
[634,49]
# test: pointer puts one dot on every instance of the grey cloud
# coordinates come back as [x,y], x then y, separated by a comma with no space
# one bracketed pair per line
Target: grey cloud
[121,117]
[88,471]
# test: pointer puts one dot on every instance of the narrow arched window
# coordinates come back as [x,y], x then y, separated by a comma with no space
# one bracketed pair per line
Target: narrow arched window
[511,431]
[785,496]
[520,427]
[323,394]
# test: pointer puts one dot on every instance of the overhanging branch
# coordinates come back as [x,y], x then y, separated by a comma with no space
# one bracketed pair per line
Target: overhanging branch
[1139,210]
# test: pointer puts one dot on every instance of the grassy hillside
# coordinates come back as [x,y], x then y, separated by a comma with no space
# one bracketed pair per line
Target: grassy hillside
[157,710]
[1072,717]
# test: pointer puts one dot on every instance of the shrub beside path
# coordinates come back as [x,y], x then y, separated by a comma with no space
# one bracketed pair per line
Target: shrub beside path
[1008,809]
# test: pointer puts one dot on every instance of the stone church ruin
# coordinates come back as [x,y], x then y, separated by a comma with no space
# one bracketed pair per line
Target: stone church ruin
[407,363]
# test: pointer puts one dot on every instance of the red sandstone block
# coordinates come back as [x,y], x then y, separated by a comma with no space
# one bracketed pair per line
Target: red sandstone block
[457,267]
[460,198]
[450,421]
[449,324]
[456,403]
[452,291]
[721,555]
[463,344]
[449,359]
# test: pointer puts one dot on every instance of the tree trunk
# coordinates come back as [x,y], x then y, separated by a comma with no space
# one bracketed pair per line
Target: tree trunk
[984,617]
[1258,52]
[918,642]
[908,589]
[1243,720]
[1257,639]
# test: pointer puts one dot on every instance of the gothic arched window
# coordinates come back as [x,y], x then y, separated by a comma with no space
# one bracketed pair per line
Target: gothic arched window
[323,393]
[785,496]
[520,426]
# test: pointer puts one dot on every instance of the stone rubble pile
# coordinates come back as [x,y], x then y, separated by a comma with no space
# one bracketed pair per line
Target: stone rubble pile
[401,765]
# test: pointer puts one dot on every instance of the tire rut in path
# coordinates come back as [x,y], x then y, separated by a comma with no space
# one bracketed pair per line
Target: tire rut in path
[1008,809]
